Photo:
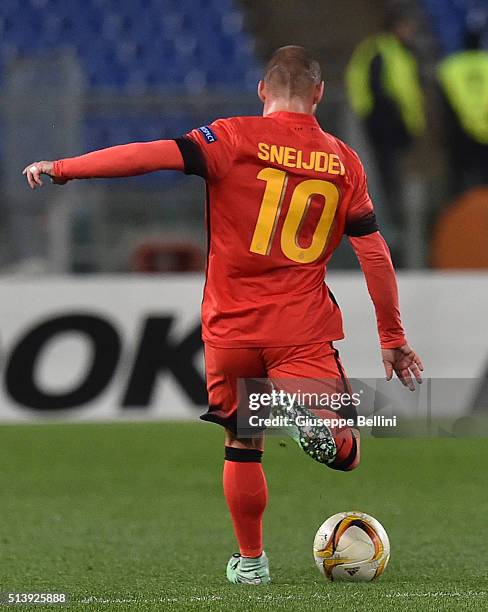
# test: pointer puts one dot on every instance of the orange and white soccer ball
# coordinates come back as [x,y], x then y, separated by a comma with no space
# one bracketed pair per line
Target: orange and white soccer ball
[351,546]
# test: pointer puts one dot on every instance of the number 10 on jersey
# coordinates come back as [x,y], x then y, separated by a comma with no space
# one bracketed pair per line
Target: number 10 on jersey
[276,185]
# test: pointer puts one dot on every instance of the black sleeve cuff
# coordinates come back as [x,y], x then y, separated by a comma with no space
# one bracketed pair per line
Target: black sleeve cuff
[362,226]
[192,157]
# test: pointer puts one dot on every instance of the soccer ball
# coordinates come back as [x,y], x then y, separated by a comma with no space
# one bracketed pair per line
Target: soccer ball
[351,546]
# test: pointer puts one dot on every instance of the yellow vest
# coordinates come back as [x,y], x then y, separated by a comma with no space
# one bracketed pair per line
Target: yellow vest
[400,80]
[464,79]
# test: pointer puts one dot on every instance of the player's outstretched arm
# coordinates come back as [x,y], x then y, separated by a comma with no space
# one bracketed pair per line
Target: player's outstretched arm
[398,357]
[124,160]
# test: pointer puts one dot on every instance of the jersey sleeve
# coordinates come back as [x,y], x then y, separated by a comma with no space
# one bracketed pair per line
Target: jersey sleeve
[360,217]
[123,160]
[374,257]
[209,151]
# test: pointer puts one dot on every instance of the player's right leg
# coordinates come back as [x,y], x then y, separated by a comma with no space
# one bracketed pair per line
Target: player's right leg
[244,481]
[316,369]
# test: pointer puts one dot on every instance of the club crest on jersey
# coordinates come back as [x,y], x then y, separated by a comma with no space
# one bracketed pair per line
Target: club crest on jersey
[208,134]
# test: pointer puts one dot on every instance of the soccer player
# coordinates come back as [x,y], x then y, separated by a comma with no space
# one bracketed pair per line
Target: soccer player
[281,192]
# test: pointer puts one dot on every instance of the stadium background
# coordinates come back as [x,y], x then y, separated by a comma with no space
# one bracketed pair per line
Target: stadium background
[125,258]
[100,289]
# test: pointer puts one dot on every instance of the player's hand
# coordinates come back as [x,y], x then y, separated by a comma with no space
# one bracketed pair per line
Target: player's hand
[33,174]
[405,363]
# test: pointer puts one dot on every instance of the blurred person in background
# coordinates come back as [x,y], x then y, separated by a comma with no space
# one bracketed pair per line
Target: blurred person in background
[463,83]
[384,90]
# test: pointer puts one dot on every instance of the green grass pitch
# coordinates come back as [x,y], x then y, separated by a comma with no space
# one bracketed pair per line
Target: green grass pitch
[131,517]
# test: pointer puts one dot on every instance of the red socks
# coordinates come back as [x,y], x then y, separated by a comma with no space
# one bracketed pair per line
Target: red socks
[247,494]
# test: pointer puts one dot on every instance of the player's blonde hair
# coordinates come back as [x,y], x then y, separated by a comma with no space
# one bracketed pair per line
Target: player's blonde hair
[292,71]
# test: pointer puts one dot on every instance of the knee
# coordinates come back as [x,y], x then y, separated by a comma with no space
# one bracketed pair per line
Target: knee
[232,441]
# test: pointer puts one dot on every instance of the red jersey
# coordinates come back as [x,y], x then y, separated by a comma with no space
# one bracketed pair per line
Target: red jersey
[281,193]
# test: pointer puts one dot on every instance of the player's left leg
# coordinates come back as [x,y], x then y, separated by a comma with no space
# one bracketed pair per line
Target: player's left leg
[316,370]
[244,481]
[246,493]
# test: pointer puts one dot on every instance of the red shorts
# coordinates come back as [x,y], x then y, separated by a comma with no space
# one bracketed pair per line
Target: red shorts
[316,365]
